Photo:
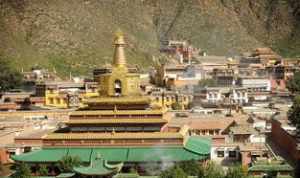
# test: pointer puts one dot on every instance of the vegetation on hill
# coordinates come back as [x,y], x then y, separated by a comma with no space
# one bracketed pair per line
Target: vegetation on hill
[77,37]
[9,77]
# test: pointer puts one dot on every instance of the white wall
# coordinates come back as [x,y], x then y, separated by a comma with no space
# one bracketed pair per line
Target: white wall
[257,138]
[260,124]
[240,96]
[257,83]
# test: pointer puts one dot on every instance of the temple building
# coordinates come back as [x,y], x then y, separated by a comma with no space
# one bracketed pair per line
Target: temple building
[117,131]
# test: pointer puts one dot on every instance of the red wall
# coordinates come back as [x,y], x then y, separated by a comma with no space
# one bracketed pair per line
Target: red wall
[4,156]
[286,142]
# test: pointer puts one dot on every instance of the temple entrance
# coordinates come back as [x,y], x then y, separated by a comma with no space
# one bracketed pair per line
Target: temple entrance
[118,88]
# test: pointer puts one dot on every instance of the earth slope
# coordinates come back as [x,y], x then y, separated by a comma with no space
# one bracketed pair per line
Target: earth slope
[76,35]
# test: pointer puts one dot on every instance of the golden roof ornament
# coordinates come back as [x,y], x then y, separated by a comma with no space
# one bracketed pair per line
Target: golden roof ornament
[119,56]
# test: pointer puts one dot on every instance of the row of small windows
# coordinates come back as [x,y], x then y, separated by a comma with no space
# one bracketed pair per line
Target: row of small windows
[173,98]
[60,100]
[206,132]
[124,141]
[215,95]
[92,90]
[231,154]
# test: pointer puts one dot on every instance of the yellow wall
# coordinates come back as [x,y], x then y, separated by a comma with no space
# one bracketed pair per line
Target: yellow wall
[129,82]
[183,100]
[54,99]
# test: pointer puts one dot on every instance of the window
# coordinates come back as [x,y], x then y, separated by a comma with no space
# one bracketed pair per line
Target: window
[58,100]
[51,100]
[216,95]
[157,99]
[220,154]
[118,88]
[232,154]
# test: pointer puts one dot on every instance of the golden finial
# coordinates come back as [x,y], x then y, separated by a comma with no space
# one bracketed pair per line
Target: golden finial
[119,33]
[119,38]
[119,42]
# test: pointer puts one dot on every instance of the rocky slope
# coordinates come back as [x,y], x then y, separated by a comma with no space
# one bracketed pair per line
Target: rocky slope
[76,35]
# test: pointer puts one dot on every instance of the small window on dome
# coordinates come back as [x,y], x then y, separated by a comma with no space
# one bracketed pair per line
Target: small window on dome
[118,88]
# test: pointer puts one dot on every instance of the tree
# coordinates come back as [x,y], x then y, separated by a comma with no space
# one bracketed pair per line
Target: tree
[294,112]
[22,171]
[43,171]
[67,163]
[191,168]
[211,170]
[9,78]
[236,171]
[207,83]
[173,172]
[293,84]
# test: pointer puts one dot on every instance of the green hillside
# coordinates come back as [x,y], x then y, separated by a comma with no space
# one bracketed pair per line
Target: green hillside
[77,35]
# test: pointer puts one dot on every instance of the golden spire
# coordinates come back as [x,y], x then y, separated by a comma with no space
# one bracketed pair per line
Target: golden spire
[119,56]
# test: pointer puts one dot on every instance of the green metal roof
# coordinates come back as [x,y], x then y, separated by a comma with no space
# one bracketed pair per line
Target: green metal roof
[116,154]
[270,167]
[196,148]
[44,155]
[198,145]
[83,154]
[98,166]
[65,175]
[112,154]
[162,154]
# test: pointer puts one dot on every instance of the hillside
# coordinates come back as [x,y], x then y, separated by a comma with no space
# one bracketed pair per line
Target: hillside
[77,35]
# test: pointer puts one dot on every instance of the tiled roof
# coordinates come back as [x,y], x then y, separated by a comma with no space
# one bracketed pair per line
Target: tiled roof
[123,135]
[117,112]
[116,121]
[203,124]
[243,129]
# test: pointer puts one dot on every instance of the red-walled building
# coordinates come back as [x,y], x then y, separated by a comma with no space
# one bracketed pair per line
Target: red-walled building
[286,139]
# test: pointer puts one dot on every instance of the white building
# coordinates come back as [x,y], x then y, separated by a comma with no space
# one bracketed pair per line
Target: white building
[234,95]
[240,95]
[255,84]
[226,152]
